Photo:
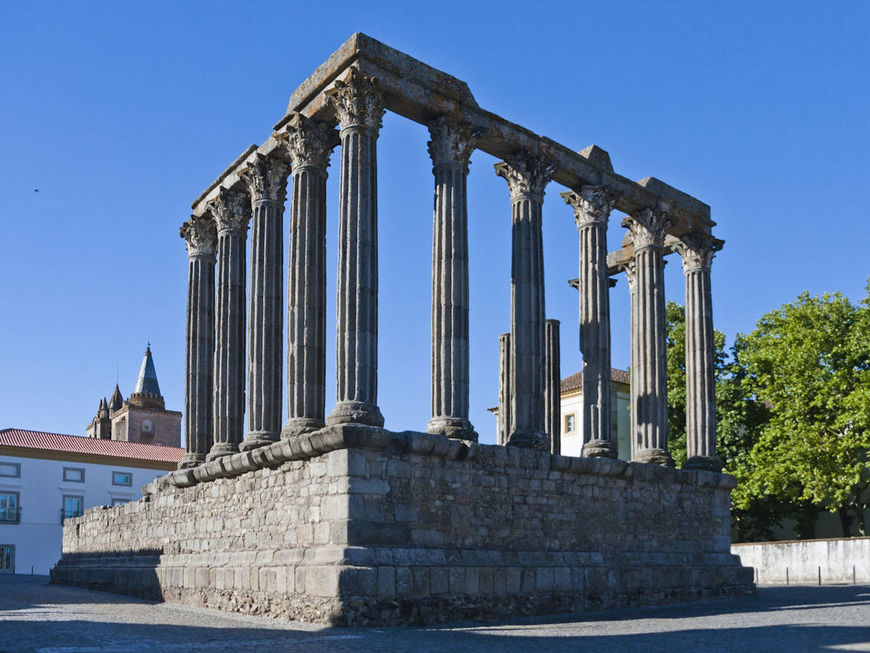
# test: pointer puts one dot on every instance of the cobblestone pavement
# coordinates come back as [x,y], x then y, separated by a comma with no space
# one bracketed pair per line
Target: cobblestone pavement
[36,616]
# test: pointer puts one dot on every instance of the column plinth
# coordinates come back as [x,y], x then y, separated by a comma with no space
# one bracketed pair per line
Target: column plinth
[308,144]
[359,106]
[649,355]
[527,177]
[266,178]
[200,236]
[450,147]
[231,212]
[697,254]
[592,206]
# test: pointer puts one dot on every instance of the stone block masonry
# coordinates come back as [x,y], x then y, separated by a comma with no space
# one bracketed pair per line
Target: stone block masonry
[353,525]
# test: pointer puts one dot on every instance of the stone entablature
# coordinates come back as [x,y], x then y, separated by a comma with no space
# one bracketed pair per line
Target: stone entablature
[358,525]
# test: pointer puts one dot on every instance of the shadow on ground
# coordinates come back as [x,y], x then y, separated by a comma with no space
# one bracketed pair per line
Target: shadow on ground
[35,616]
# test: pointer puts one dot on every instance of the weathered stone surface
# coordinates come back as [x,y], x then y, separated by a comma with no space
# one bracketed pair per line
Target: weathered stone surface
[231,212]
[527,177]
[379,535]
[199,233]
[592,206]
[450,147]
[649,380]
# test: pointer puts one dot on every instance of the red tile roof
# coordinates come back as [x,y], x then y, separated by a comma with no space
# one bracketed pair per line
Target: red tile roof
[575,381]
[93,446]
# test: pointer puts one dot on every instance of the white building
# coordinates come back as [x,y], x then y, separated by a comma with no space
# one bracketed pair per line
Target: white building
[572,414]
[47,477]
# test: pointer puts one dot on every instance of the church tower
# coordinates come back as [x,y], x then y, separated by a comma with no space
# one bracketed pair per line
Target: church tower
[143,417]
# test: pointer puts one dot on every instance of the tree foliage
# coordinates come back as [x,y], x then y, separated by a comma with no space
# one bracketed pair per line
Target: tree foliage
[809,363]
[793,411]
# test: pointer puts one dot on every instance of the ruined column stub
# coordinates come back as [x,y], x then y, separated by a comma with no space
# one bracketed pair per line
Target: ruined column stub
[592,206]
[504,388]
[450,147]
[649,363]
[358,105]
[231,212]
[697,253]
[527,176]
[552,387]
[308,144]
[199,234]
[266,178]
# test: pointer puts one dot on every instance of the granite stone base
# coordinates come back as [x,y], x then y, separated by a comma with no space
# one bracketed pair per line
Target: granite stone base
[355,525]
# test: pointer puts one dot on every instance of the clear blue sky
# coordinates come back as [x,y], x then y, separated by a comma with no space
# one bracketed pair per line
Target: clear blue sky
[121,113]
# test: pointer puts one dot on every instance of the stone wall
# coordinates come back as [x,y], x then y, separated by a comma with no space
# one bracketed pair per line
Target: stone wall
[357,525]
[840,560]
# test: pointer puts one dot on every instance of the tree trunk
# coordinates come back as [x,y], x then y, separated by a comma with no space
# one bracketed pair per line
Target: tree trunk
[845,521]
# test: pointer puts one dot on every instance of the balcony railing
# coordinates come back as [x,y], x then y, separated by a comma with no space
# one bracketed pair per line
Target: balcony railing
[10,516]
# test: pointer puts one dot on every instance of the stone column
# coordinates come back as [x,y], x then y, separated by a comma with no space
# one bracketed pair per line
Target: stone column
[309,145]
[231,212]
[359,107]
[504,388]
[450,148]
[649,380]
[527,176]
[266,178]
[592,207]
[199,233]
[697,253]
[552,387]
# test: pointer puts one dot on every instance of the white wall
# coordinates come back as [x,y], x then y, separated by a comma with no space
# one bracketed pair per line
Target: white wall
[572,442]
[802,561]
[37,538]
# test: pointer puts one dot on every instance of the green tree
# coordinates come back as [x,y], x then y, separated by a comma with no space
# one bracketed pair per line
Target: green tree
[808,363]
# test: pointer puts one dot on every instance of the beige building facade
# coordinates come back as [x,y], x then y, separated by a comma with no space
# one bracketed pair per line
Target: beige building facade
[572,414]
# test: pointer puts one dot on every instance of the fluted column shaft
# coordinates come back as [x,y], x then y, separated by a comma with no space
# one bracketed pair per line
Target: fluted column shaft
[697,256]
[266,178]
[359,107]
[649,371]
[231,212]
[450,148]
[527,177]
[592,207]
[552,387]
[504,388]
[199,233]
[308,144]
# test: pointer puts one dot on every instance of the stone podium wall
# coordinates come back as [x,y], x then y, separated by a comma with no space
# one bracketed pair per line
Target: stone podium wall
[357,525]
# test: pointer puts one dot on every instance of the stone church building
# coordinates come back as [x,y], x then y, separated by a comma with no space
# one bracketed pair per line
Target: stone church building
[142,417]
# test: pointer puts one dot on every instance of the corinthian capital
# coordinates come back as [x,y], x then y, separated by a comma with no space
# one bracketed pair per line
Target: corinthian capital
[526,174]
[231,210]
[452,142]
[592,205]
[309,143]
[697,251]
[266,178]
[647,228]
[200,235]
[357,102]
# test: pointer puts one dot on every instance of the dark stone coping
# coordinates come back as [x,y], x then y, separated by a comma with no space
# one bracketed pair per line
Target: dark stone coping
[353,436]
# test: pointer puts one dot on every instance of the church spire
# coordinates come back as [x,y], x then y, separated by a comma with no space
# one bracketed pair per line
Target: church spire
[117,401]
[147,391]
[147,382]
